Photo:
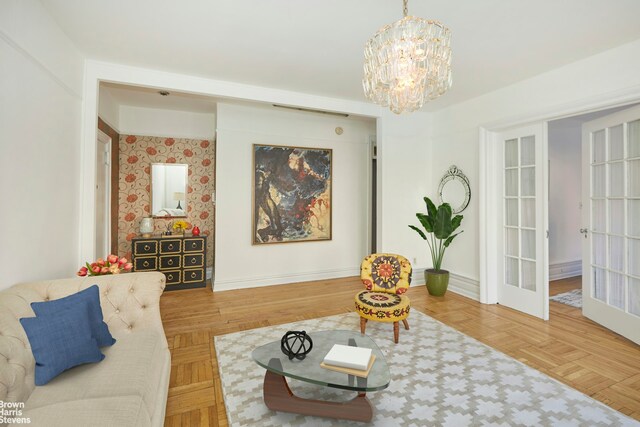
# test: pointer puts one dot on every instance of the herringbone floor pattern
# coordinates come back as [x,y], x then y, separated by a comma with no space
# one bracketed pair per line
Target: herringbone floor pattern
[568,347]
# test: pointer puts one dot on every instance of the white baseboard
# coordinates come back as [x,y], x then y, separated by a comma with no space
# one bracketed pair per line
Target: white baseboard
[563,270]
[458,284]
[255,282]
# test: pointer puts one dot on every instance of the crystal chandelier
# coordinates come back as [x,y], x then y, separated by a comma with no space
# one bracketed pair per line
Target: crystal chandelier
[407,63]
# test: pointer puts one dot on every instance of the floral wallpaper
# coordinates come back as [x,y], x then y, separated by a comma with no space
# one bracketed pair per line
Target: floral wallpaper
[137,153]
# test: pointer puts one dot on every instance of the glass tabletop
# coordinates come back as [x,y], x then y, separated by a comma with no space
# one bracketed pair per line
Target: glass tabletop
[270,357]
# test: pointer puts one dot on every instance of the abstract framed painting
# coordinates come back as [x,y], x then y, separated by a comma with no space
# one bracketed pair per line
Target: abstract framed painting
[292,189]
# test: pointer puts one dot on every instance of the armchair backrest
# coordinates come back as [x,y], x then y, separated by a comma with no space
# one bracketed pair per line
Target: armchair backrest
[388,273]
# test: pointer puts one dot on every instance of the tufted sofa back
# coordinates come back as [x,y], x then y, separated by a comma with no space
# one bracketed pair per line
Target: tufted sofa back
[130,302]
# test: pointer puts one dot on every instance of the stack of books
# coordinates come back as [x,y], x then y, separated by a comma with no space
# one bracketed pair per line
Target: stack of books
[350,360]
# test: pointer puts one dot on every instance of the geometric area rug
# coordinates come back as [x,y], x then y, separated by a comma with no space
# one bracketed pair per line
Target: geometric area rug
[572,298]
[439,377]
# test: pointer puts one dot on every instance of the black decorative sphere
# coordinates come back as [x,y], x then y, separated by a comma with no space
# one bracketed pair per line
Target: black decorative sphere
[296,344]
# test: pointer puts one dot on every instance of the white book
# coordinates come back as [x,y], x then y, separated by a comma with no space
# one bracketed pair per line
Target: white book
[347,356]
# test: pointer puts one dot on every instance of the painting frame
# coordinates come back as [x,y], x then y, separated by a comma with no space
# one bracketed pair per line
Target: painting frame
[294,183]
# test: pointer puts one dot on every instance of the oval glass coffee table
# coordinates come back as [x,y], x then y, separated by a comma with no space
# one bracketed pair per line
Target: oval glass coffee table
[279,397]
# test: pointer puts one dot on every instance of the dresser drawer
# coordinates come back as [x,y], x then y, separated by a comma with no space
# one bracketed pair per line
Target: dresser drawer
[173,277]
[194,244]
[193,260]
[145,263]
[193,275]
[169,262]
[145,247]
[170,246]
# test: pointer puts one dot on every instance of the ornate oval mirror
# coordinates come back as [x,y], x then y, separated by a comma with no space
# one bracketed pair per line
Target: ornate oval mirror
[454,189]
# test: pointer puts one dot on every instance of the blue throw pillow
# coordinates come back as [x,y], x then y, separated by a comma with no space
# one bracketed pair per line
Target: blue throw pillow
[61,341]
[91,296]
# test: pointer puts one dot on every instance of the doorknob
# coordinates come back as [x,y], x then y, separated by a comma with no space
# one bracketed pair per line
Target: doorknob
[584,231]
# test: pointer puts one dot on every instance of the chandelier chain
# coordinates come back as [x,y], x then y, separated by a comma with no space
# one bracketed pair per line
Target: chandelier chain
[405,8]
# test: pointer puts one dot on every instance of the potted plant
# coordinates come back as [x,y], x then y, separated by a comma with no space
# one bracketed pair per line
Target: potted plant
[439,226]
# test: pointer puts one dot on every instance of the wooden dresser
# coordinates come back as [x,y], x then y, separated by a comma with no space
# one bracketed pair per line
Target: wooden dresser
[182,259]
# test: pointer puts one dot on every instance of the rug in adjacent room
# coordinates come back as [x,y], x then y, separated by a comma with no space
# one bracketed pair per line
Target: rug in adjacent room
[572,298]
[439,377]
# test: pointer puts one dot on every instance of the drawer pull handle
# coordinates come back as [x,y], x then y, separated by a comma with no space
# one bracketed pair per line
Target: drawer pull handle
[171,246]
[193,275]
[170,262]
[145,264]
[147,247]
[193,260]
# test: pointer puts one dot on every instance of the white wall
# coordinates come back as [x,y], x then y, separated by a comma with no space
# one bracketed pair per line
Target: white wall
[40,107]
[404,179]
[565,191]
[608,77]
[167,123]
[108,109]
[239,263]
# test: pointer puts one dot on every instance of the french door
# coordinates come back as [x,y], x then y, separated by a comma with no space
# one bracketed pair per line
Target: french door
[523,266]
[611,222]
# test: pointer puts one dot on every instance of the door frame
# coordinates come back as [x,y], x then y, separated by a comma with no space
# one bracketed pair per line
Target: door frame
[106,140]
[489,189]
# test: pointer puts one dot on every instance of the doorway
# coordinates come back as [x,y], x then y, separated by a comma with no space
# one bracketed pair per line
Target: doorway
[605,193]
[565,212]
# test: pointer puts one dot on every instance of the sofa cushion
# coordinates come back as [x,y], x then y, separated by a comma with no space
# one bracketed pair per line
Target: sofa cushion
[89,296]
[133,366]
[61,342]
[121,411]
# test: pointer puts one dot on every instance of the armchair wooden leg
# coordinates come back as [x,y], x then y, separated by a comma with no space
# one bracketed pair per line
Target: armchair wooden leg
[363,325]
[396,332]
[406,324]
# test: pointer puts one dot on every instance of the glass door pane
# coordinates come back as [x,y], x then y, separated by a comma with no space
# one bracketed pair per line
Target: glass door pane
[519,212]
[615,216]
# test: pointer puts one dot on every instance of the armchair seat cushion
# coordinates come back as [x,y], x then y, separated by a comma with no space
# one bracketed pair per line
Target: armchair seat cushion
[382,306]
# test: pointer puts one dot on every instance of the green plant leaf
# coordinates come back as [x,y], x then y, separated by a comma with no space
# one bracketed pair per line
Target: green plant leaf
[450,239]
[442,228]
[413,227]
[455,222]
[431,207]
[426,221]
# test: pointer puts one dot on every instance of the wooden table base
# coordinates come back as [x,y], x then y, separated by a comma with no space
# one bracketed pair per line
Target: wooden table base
[279,397]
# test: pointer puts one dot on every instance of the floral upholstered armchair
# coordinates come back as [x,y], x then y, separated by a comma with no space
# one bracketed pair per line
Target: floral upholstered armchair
[386,277]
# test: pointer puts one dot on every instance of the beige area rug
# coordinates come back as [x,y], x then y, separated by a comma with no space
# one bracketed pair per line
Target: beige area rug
[440,377]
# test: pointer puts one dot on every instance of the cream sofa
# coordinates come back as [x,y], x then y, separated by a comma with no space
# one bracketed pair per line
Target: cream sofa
[128,388]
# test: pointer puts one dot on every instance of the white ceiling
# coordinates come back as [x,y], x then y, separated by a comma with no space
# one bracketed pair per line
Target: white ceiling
[316,46]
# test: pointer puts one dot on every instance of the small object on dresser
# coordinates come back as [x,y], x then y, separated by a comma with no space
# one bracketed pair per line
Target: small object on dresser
[346,356]
[180,226]
[195,230]
[296,344]
[146,226]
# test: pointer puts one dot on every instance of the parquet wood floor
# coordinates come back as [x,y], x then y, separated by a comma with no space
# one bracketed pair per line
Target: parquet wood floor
[569,347]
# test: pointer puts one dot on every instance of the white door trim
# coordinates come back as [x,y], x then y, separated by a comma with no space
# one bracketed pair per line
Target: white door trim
[487,184]
[106,139]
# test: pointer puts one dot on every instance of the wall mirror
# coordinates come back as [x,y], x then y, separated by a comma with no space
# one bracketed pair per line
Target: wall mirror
[454,189]
[169,190]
